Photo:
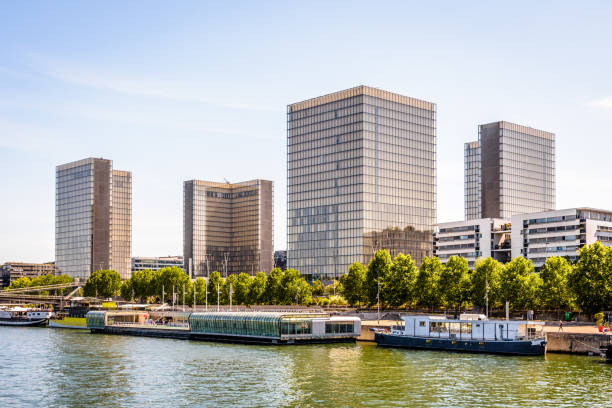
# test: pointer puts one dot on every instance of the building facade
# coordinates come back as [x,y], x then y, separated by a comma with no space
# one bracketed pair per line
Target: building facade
[155,263]
[516,166]
[472,180]
[472,239]
[538,236]
[361,176]
[228,227]
[93,218]
[11,271]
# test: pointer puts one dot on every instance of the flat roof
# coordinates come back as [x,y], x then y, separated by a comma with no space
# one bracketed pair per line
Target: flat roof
[361,90]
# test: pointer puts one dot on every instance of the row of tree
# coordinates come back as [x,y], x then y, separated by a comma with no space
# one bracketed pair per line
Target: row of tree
[172,284]
[560,284]
[42,280]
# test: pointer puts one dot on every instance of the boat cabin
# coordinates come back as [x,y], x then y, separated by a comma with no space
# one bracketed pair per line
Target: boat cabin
[469,328]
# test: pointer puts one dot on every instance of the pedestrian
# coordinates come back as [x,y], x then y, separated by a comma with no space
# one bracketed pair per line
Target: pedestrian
[560,325]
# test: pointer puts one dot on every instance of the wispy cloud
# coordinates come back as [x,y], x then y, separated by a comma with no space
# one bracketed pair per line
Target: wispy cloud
[602,103]
[141,86]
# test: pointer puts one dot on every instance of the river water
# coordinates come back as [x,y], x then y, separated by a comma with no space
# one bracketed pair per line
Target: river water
[69,368]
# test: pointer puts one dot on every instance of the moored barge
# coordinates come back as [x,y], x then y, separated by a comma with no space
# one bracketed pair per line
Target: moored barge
[469,333]
[230,327]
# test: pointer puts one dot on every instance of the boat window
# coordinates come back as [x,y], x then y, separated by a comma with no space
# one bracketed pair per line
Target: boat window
[421,324]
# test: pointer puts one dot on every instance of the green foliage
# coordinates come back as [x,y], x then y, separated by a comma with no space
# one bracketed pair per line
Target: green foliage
[515,284]
[215,284]
[426,285]
[486,271]
[401,279]
[127,290]
[554,292]
[103,283]
[42,280]
[454,282]
[354,284]
[377,272]
[241,291]
[228,284]
[257,291]
[317,288]
[200,292]
[334,288]
[169,279]
[337,300]
[273,293]
[591,280]
[142,283]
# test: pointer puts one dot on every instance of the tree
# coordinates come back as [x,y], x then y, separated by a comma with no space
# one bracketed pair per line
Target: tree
[229,285]
[200,296]
[317,288]
[354,284]
[515,284]
[290,286]
[399,285]
[241,291]
[377,272]
[334,288]
[591,280]
[103,283]
[127,291]
[215,284]
[554,292]
[454,282]
[168,279]
[486,271]
[426,285]
[274,291]
[304,292]
[19,283]
[258,289]
[142,283]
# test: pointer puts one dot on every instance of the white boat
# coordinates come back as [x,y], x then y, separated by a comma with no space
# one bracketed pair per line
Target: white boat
[470,333]
[22,316]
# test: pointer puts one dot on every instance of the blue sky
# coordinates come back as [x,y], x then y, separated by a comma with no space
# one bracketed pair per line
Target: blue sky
[181,90]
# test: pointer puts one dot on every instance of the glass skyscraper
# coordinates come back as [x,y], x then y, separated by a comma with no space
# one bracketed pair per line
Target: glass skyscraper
[93,218]
[472,180]
[517,171]
[361,176]
[228,227]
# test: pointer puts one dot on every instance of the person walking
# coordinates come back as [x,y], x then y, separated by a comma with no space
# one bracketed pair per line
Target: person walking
[560,325]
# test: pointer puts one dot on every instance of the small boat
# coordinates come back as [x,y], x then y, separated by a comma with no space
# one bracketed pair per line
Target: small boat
[22,316]
[470,333]
[73,319]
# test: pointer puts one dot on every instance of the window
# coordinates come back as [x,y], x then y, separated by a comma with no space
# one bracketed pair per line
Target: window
[421,324]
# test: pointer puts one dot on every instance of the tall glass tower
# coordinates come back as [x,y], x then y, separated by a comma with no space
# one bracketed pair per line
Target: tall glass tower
[361,176]
[228,227]
[93,218]
[509,171]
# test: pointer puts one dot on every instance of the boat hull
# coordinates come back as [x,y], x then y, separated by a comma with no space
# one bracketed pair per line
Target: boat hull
[509,347]
[23,322]
[69,323]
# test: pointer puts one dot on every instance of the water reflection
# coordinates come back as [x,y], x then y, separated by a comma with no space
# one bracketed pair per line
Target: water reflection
[64,368]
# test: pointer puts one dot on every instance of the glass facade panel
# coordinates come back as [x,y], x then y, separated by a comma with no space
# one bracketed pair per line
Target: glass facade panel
[361,171]
[228,227]
[517,170]
[472,180]
[93,212]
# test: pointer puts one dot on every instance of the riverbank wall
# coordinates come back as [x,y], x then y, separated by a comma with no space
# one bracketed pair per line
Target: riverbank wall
[576,343]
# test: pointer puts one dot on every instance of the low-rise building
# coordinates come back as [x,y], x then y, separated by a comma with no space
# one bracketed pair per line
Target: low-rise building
[537,236]
[11,271]
[472,239]
[155,263]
